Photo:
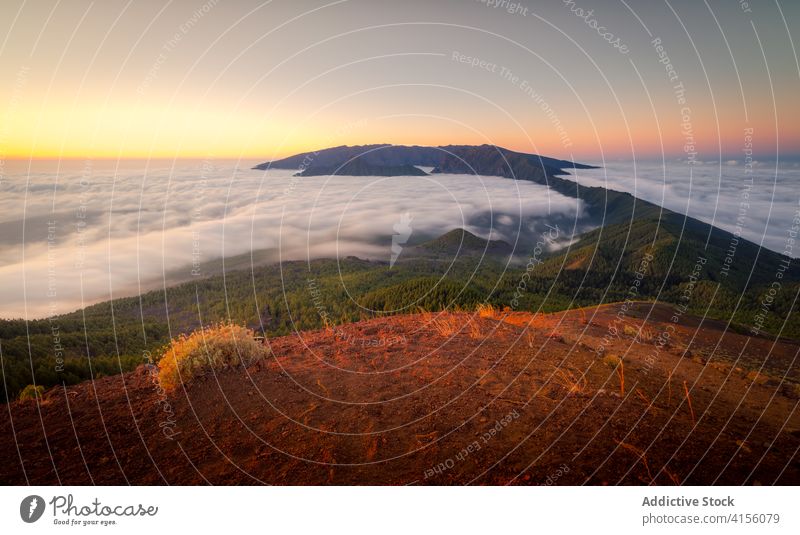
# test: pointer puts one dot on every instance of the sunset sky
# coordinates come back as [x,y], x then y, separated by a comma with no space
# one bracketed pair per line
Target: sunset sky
[257,80]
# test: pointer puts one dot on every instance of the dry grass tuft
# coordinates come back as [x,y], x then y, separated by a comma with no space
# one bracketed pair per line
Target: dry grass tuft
[643,458]
[669,389]
[615,362]
[689,400]
[672,476]
[531,337]
[646,335]
[213,348]
[446,325]
[641,454]
[475,329]
[642,334]
[485,310]
[574,382]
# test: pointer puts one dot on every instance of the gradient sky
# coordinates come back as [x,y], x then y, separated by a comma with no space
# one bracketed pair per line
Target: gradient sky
[257,80]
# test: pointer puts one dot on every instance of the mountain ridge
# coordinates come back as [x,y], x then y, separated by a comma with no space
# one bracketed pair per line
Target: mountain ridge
[386,155]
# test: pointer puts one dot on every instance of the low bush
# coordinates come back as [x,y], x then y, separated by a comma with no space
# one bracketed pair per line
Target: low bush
[31,392]
[211,349]
[612,361]
[630,330]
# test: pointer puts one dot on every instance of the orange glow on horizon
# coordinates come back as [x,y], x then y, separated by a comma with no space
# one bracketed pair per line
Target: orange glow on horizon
[183,132]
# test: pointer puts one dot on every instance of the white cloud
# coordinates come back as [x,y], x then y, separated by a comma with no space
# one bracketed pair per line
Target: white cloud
[712,193]
[142,227]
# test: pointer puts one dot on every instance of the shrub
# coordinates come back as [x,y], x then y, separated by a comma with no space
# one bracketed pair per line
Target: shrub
[213,348]
[31,392]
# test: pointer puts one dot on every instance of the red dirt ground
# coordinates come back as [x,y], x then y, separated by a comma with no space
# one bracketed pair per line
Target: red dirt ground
[400,400]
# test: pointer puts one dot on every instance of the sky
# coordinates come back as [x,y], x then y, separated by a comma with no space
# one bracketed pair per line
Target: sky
[586,80]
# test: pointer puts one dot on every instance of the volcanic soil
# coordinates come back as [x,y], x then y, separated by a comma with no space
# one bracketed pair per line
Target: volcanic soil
[595,396]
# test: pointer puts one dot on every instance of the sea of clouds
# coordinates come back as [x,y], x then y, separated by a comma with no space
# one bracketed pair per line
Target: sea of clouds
[758,202]
[77,233]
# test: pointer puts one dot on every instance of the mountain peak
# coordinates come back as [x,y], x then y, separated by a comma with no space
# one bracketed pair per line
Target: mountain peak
[460,240]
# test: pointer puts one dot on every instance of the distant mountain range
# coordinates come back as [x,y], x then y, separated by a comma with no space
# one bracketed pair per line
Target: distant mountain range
[396,160]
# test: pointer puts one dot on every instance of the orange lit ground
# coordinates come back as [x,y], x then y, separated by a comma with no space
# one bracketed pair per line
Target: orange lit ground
[386,401]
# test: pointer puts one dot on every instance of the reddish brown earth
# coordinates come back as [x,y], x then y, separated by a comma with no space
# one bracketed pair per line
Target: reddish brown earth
[400,401]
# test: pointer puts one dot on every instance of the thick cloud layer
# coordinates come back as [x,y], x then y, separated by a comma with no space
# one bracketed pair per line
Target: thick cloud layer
[93,234]
[757,202]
